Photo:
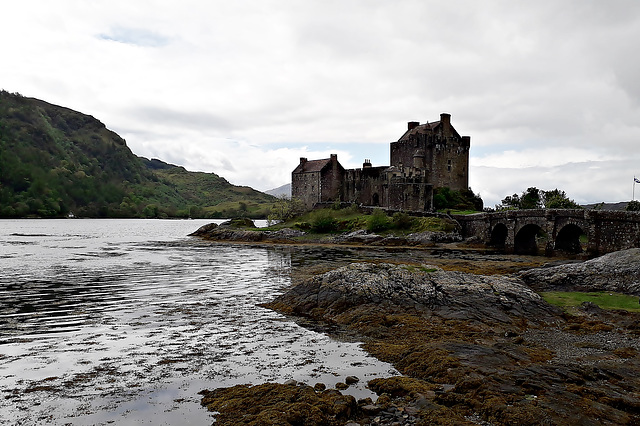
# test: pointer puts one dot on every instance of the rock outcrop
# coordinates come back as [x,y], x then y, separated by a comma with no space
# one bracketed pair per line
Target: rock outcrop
[616,272]
[478,349]
[426,289]
[237,232]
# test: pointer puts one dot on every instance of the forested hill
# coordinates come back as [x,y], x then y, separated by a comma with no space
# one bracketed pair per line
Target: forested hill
[55,161]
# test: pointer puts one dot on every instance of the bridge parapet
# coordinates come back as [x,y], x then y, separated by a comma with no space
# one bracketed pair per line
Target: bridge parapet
[548,231]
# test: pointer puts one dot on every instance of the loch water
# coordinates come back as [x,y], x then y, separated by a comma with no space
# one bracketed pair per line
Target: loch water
[125,321]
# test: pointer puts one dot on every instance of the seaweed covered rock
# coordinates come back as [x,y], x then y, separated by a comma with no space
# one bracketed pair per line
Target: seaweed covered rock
[279,404]
[232,230]
[477,349]
[425,289]
[616,272]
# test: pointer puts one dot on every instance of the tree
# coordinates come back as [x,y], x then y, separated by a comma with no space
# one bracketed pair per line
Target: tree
[633,206]
[464,199]
[534,198]
[531,198]
[284,209]
[557,199]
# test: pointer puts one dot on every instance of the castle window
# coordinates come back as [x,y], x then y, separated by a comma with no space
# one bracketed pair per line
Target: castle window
[448,165]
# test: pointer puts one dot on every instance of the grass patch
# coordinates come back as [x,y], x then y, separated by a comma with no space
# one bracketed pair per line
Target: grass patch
[605,300]
[350,219]
[421,268]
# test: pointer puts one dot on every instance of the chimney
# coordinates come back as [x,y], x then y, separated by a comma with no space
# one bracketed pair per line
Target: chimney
[445,119]
[366,164]
[303,160]
[412,125]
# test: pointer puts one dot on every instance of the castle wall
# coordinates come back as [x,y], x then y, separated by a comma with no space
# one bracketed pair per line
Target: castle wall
[450,163]
[411,194]
[306,188]
[331,181]
[366,186]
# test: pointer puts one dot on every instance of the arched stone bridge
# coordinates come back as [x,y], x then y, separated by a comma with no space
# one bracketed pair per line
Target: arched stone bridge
[554,231]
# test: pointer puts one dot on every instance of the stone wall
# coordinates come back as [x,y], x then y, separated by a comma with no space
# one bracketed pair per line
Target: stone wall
[331,181]
[604,231]
[450,164]
[306,188]
[367,186]
[410,194]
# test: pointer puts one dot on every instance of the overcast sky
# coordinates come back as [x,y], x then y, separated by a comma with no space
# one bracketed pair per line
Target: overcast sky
[549,91]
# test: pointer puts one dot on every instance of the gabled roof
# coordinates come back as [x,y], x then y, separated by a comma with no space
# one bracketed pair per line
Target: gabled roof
[424,128]
[312,166]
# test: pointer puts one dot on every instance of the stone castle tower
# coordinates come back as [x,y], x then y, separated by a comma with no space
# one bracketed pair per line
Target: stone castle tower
[427,156]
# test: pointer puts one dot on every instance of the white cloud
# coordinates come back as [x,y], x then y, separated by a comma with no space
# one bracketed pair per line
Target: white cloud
[547,90]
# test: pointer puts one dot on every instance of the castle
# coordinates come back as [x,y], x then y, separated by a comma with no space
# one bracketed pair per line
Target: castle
[426,157]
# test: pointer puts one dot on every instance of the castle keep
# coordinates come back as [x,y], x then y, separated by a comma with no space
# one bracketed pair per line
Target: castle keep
[427,156]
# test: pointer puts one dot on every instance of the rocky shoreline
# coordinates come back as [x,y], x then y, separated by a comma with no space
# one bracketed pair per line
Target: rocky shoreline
[229,232]
[473,349]
[616,272]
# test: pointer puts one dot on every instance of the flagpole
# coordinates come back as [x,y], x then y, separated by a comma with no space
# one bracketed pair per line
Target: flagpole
[633,192]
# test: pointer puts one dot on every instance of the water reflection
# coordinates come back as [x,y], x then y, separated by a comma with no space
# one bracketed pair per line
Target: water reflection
[125,321]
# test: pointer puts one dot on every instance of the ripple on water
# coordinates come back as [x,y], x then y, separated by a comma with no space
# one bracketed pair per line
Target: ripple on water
[134,336]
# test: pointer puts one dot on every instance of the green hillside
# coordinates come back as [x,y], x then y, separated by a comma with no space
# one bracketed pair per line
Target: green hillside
[55,161]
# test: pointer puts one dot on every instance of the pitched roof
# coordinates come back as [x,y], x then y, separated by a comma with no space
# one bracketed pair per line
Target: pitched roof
[422,128]
[312,166]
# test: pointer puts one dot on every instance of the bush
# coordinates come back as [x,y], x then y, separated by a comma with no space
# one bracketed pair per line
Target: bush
[402,221]
[378,221]
[323,222]
[465,199]
[633,206]
[284,209]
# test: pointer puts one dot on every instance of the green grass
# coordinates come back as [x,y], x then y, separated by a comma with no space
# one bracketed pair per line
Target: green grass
[460,212]
[603,299]
[421,268]
[350,219]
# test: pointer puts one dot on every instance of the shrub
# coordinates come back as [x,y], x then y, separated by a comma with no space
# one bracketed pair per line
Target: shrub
[323,222]
[284,209]
[402,220]
[633,206]
[378,221]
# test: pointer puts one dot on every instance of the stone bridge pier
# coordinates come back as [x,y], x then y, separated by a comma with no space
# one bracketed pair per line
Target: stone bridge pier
[554,231]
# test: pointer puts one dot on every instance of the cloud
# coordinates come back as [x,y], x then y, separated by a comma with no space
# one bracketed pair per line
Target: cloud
[547,90]
[585,182]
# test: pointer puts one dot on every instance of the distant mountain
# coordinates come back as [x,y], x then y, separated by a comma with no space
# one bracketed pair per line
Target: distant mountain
[55,161]
[284,190]
[607,206]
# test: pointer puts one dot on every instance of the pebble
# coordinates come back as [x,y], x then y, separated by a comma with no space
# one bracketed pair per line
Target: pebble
[394,416]
[351,380]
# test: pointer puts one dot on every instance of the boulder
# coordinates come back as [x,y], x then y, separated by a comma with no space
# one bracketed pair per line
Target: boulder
[615,272]
[204,230]
[285,233]
[238,222]
[426,289]
[426,238]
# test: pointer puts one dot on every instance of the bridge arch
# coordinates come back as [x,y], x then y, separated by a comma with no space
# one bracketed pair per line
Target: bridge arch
[529,239]
[499,235]
[569,239]
[597,231]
